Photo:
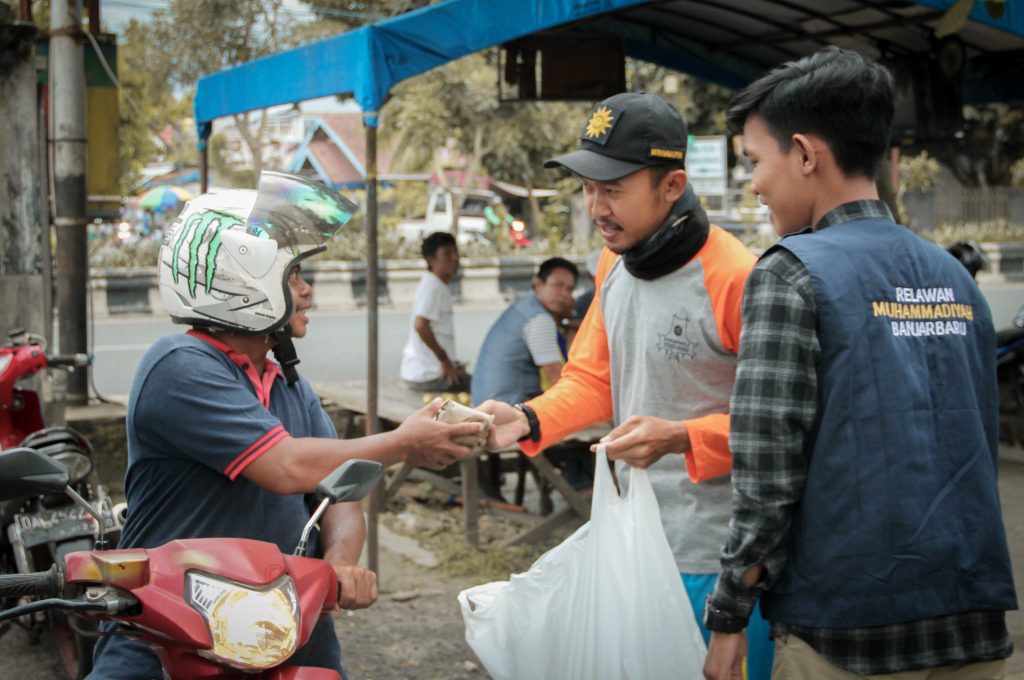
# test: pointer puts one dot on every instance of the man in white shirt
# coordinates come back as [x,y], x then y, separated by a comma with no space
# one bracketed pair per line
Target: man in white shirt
[427,360]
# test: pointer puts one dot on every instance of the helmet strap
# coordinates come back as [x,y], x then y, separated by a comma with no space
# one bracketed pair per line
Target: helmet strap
[284,352]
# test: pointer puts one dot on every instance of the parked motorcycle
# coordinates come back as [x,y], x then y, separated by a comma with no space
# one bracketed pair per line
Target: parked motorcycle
[41,530]
[210,607]
[1009,354]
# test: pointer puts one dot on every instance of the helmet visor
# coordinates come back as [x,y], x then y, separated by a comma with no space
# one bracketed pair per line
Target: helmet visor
[298,213]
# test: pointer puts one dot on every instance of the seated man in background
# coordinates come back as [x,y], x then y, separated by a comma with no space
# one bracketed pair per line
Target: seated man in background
[522,351]
[428,363]
[525,349]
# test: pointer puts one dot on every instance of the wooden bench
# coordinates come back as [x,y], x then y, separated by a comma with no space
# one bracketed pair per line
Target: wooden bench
[395,403]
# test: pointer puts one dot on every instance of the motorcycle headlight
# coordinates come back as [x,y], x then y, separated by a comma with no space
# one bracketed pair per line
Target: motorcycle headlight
[251,628]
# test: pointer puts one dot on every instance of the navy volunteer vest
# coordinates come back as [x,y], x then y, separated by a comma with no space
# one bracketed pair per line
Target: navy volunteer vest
[900,518]
[505,370]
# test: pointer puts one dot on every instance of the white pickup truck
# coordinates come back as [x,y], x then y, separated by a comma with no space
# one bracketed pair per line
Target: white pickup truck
[473,215]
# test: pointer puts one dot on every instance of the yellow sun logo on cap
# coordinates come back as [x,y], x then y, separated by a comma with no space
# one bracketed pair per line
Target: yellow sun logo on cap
[600,123]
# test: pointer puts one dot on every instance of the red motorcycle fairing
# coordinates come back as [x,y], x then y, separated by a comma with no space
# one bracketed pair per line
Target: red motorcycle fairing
[301,673]
[25,414]
[168,622]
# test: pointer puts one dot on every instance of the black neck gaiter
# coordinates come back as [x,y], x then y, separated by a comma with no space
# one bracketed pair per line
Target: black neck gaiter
[674,244]
[284,352]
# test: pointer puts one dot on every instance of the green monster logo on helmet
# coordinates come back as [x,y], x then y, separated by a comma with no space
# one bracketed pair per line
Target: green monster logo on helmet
[206,226]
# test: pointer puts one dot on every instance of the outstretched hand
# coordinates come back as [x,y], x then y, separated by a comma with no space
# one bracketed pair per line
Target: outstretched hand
[510,424]
[428,442]
[641,441]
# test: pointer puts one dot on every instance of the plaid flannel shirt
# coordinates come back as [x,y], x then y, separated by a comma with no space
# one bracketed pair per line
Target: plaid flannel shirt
[773,409]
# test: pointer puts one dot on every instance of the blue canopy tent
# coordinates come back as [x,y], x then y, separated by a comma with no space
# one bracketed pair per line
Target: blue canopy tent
[730,42]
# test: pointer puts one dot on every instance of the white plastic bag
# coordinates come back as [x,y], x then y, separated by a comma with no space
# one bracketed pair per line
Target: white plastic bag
[606,604]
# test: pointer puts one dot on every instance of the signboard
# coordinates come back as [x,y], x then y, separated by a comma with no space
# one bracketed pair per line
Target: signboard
[707,171]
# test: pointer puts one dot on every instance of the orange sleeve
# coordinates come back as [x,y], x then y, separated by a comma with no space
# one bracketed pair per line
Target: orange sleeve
[583,395]
[709,454]
[726,269]
[727,263]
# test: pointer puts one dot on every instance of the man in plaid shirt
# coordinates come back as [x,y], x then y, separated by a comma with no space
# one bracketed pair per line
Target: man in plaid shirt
[865,516]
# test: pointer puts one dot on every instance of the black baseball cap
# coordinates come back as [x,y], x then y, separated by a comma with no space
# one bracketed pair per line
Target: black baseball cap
[625,133]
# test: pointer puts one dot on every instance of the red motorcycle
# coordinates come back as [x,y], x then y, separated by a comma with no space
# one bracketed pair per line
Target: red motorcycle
[21,411]
[210,607]
[39,531]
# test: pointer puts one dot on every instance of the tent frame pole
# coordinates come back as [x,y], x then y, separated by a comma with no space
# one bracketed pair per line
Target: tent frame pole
[372,329]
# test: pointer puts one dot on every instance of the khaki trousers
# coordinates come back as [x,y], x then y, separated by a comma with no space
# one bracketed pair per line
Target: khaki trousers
[796,660]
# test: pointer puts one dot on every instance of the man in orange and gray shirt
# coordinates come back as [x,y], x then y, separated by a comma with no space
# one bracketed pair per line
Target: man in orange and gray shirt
[657,350]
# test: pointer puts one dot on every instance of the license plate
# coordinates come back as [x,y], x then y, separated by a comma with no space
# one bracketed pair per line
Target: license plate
[59,524]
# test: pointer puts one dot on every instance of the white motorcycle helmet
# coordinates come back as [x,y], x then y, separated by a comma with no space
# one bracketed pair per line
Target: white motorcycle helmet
[226,259]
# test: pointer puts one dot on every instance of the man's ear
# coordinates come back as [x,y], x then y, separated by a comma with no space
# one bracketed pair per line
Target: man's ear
[675,185]
[807,152]
[537,283]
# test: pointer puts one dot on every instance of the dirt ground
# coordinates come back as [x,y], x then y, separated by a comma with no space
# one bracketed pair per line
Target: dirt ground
[415,629]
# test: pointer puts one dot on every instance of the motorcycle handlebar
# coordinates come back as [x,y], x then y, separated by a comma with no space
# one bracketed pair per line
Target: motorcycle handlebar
[40,584]
[68,360]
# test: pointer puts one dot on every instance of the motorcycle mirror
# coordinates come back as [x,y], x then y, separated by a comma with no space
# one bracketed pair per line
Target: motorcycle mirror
[25,472]
[78,464]
[350,481]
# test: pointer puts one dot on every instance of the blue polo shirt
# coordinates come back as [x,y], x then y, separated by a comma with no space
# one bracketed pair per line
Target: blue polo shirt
[198,415]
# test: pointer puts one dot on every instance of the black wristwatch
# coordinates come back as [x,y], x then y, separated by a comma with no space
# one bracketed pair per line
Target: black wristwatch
[720,621]
[531,419]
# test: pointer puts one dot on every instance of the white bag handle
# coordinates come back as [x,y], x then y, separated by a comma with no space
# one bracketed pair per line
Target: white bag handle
[605,494]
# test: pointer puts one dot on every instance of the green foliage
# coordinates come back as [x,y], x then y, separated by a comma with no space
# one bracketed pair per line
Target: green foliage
[702,104]
[240,179]
[140,253]
[919,172]
[492,562]
[162,58]
[982,153]
[349,14]
[996,231]
[1017,174]
[458,102]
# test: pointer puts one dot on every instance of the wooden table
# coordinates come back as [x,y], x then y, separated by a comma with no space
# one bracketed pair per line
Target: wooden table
[395,403]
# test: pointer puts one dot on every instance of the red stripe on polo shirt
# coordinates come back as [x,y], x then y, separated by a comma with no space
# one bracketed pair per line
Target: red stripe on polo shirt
[261,446]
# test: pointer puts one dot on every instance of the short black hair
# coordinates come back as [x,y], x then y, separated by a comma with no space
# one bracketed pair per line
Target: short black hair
[436,241]
[660,172]
[836,94]
[550,265]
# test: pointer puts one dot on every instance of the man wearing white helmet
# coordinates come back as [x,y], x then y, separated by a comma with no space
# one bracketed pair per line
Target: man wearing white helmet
[223,441]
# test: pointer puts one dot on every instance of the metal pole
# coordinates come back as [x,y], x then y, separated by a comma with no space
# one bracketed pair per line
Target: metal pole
[204,169]
[372,549]
[67,87]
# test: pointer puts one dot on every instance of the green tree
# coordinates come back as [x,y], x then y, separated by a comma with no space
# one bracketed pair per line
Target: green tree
[702,104]
[163,57]
[146,107]
[983,151]
[457,104]
[354,13]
